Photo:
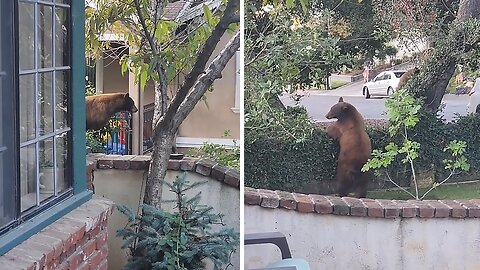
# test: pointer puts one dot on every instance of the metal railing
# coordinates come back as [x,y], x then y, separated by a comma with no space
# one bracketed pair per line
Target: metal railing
[116,137]
[147,127]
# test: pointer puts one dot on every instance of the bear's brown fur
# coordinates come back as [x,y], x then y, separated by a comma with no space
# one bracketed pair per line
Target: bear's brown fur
[100,108]
[407,76]
[355,148]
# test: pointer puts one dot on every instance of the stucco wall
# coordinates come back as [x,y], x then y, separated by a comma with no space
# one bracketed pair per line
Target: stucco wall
[123,186]
[347,233]
[344,242]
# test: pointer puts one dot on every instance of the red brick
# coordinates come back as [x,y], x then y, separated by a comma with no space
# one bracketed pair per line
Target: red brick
[409,210]
[94,232]
[218,172]
[391,209]
[473,209]
[104,252]
[287,200]
[252,197]
[357,207]
[269,199]
[232,178]
[84,266]
[441,210]
[95,260]
[140,163]
[322,204]
[122,163]
[374,209]
[340,207]
[22,262]
[76,259]
[41,253]
[424,209]
[55,243]
[458,211]
[90,247]
[64,266]
[174,165]
[305,204]
[187,164]
[101,240]
[67,239]
[204,167]
[53,264]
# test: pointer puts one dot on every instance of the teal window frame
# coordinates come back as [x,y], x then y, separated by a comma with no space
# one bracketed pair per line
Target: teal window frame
[78,151]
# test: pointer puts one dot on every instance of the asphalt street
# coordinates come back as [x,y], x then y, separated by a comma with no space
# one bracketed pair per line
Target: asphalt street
[318,103]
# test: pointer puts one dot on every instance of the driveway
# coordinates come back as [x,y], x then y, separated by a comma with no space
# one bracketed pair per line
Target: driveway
[318,103]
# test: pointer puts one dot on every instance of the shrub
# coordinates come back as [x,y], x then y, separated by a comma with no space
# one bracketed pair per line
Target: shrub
[274,160]
[179,240]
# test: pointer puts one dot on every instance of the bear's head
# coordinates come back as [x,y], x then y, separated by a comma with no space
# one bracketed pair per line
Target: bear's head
[129,104]
[341,110]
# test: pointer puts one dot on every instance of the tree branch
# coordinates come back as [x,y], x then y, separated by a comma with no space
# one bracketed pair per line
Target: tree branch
[206,80]
[200,63]
[141,18]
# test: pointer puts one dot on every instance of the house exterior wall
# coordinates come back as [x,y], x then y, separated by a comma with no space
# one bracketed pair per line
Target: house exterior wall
[205,121]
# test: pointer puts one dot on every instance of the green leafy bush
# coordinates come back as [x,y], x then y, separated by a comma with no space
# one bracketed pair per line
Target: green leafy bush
[229,157]
[179,240]
[276,160]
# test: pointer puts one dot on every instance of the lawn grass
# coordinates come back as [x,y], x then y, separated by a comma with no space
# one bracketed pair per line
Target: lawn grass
[337,84]
[451,191]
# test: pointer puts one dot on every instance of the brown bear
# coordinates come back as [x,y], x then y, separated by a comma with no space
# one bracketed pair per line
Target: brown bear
[407,76]
[100,108]
[355,148]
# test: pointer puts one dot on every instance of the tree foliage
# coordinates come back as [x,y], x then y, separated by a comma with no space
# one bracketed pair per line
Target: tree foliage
[403,115]
[158,49]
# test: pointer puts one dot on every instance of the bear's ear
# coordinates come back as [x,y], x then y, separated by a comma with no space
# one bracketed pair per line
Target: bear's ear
[127,95]
[340,99]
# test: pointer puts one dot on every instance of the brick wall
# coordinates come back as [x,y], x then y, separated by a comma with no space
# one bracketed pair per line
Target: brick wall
[203,167]
[347,206]
[78,240]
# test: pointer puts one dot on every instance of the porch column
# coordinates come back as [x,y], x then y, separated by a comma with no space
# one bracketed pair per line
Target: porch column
[99,74]
[137,118]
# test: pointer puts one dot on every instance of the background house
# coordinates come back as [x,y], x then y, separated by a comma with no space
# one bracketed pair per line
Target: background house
[210,118]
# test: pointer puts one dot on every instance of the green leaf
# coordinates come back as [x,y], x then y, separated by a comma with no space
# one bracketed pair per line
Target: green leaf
[290,3]
[208,15]
[143,77]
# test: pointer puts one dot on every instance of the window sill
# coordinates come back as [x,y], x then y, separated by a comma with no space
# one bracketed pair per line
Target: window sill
[34,225]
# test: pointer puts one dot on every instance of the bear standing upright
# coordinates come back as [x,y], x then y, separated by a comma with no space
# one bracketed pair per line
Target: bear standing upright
[100,108]
[355,148]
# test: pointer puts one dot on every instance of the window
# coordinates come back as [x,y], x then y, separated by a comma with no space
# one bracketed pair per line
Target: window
[7,138]
[41,72]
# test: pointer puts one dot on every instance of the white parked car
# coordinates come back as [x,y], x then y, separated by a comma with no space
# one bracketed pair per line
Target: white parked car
[384,84]
[474,97]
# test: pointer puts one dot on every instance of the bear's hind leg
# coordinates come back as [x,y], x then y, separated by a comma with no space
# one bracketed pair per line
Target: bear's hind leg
[344,182]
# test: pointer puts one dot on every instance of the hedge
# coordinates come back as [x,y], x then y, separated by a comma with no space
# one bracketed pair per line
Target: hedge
[280,163]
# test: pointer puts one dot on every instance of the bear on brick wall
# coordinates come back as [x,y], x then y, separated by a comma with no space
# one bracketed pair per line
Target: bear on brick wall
[355,148]
[100,108]
[407,76]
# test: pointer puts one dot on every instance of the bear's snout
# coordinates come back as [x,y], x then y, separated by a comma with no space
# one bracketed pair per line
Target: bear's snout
[328,116]
[134,109]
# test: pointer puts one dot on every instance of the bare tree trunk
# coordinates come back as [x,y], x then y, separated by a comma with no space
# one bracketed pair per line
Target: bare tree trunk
[162,147]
